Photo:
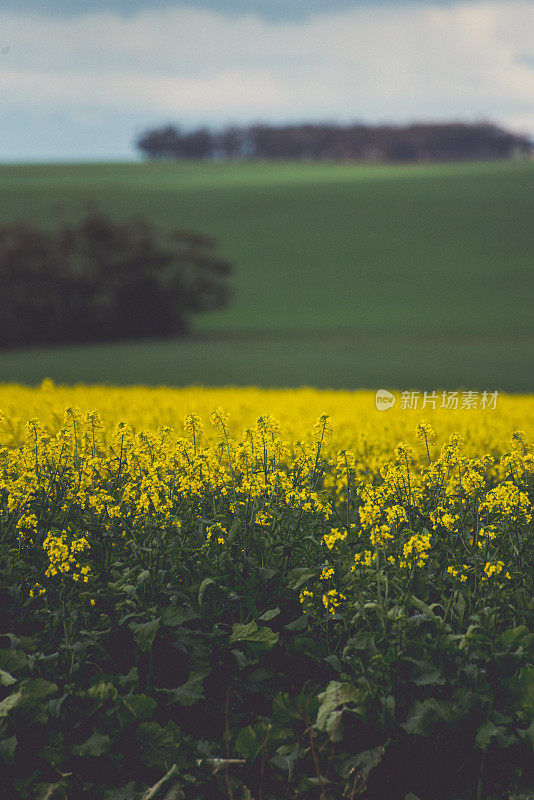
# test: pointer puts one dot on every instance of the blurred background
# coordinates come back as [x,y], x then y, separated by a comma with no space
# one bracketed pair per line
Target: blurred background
[263,192]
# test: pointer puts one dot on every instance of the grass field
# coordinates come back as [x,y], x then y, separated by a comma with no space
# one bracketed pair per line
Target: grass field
[345,276]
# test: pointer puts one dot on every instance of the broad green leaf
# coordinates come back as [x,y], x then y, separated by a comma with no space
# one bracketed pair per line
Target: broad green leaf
[241,632]
[144,633]
[173,617]
[252,632]
[203,586]
[140,706]
[362,764]
[333,726]
[51,791]
[252,739]
[158,746]
[426,610]
[424,715]
[513,635]
[299,624]
[298,576]
[6,679]
[94,746]
[191,691]
[243,660]
[37,689]
[425,674]
[102,690]
[269,615]
[127,792]
[485,734]
[247,743]
[528,735]
[335,695]
[9,703]
[7,749]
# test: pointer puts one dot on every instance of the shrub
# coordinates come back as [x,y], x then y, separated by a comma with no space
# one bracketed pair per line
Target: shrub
[104,280]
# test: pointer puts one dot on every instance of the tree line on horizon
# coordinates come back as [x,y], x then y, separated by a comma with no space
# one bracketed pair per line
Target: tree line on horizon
[383,143]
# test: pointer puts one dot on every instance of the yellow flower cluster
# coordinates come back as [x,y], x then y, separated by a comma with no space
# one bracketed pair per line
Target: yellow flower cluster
[415,551]
[495,568]
[217,532]
[62,555]
[327,573]
[334,536]
[332,600]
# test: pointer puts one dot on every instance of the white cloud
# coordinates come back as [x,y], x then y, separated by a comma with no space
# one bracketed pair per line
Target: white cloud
[469,60]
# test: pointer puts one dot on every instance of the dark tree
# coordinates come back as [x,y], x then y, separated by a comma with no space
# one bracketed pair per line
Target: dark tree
[422,142]
[161,143]
[105,280]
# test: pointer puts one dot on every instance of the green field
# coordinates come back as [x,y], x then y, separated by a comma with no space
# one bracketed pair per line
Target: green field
[345,275]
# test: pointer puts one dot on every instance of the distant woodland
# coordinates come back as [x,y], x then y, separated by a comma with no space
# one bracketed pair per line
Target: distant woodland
[411,143]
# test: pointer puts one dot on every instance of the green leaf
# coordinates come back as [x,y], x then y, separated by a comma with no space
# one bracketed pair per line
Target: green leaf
[37,689]
[127,792]
[243,660]
[333,726]
[53,752]
[132,677]
[203,586]
[191,691]
[485,734]
[6,679]
[51,791]
[7,749]
[96,745]
[234,530]
[102,690]
[337,695]
[177,616]
[425,674]
[286,757]
[528,735]
[158,746]
[521,690]
[9,703]
[247,743]
[252,739]
[426,610]
[269,615]
[252,632]
[459,608]
[424,716]
[362,764]
[334,662]
[29,698]
[299,624]
[140,706]
[241,632]
[298,576]
[144,633]
[513,635]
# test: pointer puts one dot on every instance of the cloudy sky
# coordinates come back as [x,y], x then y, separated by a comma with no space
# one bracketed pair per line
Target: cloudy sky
[80,80]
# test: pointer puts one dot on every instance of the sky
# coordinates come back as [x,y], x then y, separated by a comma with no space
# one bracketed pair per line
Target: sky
[81,81]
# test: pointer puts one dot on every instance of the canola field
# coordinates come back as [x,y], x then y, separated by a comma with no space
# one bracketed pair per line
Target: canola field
[312,594]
